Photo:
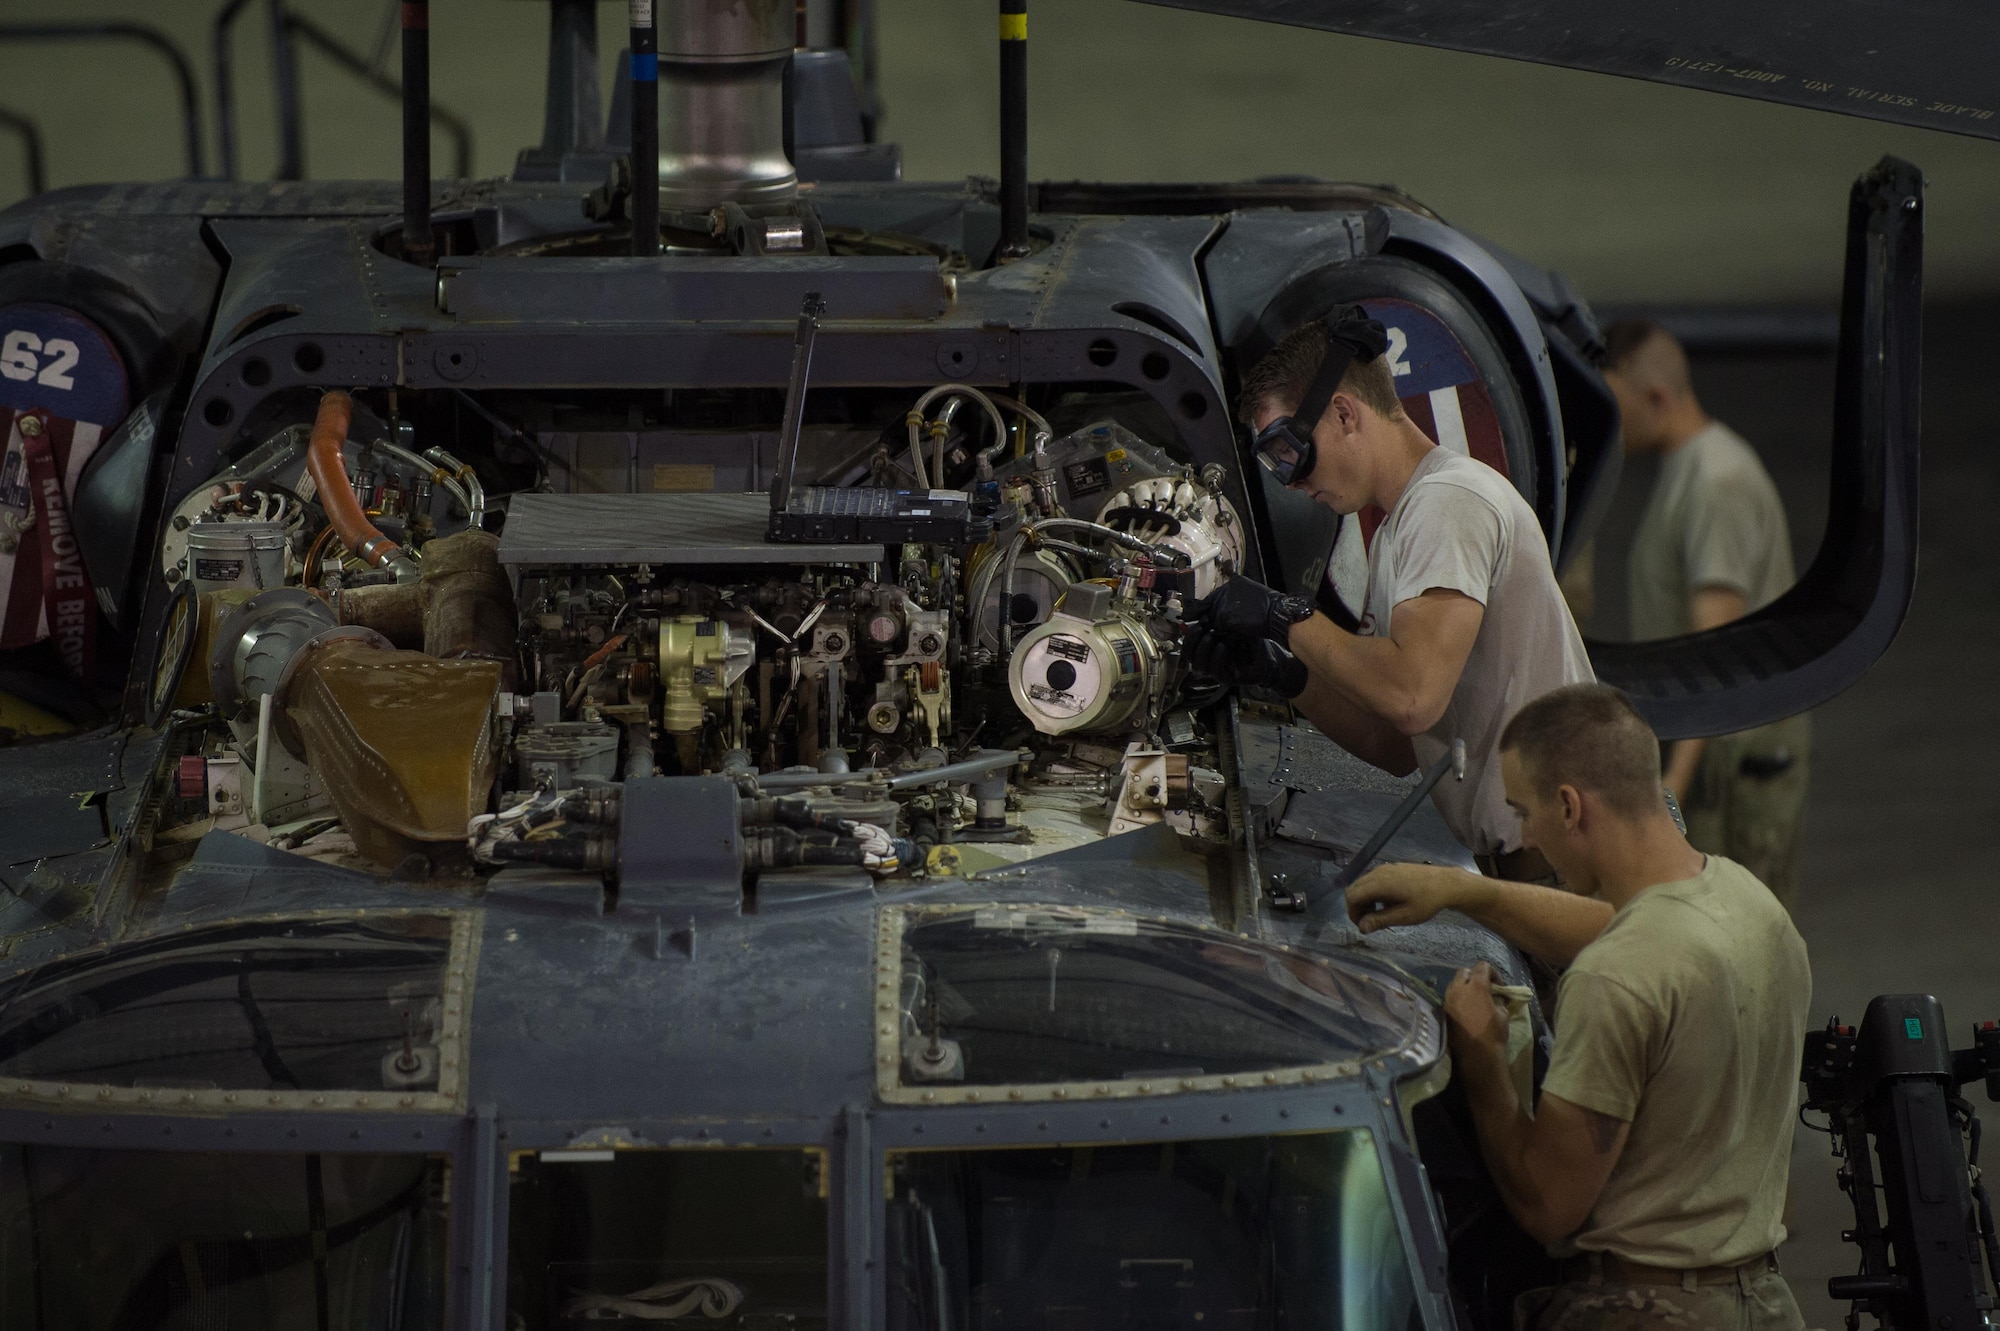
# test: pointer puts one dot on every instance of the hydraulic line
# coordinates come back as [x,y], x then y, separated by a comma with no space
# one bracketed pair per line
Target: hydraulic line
[1013,558]
[336,492]
[1166,555]
[915,419]
[1022,409]
[782,848]
[588,853]
[446,470]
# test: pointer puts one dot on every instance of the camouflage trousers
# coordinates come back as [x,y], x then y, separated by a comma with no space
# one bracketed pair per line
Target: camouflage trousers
[1759,1301]
[1749,798]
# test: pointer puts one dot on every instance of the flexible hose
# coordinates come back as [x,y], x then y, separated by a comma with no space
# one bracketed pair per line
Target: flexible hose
[1165,554]
[598,853]
[914,421]
[1068,547]
[448,479]
[985,455]
[336,492]
[1007,593]
[1021,408]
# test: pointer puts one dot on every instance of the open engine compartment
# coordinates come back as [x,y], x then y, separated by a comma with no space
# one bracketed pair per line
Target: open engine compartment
[444,634]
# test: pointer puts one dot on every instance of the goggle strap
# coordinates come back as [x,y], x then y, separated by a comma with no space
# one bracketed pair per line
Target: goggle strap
[1325,383]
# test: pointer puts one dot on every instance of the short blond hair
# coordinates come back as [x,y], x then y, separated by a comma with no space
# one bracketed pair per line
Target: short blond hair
[1287,370]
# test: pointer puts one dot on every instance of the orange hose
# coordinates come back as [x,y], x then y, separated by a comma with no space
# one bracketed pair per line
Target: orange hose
[336,492]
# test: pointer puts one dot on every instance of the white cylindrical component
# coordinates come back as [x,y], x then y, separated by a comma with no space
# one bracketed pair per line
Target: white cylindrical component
[237,554]
[1074,675]
[1039,579]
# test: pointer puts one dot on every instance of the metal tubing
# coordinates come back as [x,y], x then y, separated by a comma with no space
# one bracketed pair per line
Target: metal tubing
[225,84]
[31,144]
[1013,129]
[969,770]
[1334,897]
[285,79]
[418,247]
[352,61]
[138,32]
[645,70]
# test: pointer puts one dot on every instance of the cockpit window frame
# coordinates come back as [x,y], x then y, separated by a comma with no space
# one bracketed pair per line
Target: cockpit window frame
[453,1042]
[1423,1047]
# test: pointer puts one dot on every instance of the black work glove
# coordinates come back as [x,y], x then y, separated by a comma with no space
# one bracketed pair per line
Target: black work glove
[1257,662]
[1240,608]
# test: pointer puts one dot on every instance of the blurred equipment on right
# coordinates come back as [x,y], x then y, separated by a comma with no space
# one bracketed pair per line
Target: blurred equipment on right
[1890,1093]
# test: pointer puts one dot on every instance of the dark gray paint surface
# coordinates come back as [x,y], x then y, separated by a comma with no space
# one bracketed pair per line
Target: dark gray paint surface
[1928,65]
[591,530]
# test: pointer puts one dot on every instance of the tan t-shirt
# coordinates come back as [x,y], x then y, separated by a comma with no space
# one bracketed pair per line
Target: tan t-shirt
[1460,525]
[1685,1018]
[1714,520]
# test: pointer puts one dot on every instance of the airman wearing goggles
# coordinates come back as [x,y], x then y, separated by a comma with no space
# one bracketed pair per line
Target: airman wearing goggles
[1463,623]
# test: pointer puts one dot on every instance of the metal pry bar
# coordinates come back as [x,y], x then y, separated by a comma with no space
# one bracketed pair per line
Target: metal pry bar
[1329,900]
[795,400]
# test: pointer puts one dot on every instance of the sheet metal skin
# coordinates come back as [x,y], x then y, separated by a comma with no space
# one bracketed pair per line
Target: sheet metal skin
[1929,66]
[302,298]
[628,1027]
[593,1028]
[608,1029]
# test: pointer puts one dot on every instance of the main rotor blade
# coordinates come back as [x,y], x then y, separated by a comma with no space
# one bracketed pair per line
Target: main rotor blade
[1930,63]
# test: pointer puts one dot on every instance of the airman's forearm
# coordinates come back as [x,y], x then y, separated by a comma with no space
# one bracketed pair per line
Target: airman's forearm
[1545,922]
[1497,1113]
[1359,731]
[1371,674]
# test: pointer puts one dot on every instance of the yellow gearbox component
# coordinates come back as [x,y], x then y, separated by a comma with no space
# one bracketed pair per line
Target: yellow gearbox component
[700,661]
[403,742]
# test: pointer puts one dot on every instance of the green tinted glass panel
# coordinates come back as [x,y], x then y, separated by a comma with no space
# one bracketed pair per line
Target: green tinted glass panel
[1249,1232]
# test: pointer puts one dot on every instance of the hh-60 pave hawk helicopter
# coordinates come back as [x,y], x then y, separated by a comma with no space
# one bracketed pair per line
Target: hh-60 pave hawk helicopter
[512,889]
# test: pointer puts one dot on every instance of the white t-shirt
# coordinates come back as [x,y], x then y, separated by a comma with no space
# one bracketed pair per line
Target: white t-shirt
[1461,526]
[1714,520]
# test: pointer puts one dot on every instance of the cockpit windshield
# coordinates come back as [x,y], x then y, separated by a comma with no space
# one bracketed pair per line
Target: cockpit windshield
[182,1240]
[720,1238]
[1291,1231]
[1037,997]
[290,1007]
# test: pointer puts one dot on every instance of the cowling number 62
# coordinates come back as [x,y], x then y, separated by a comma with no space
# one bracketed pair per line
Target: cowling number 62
[18,359]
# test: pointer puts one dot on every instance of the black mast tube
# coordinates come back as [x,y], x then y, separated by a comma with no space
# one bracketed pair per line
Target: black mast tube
[417,244]
[285,80]
[645,130]
[1013,128]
